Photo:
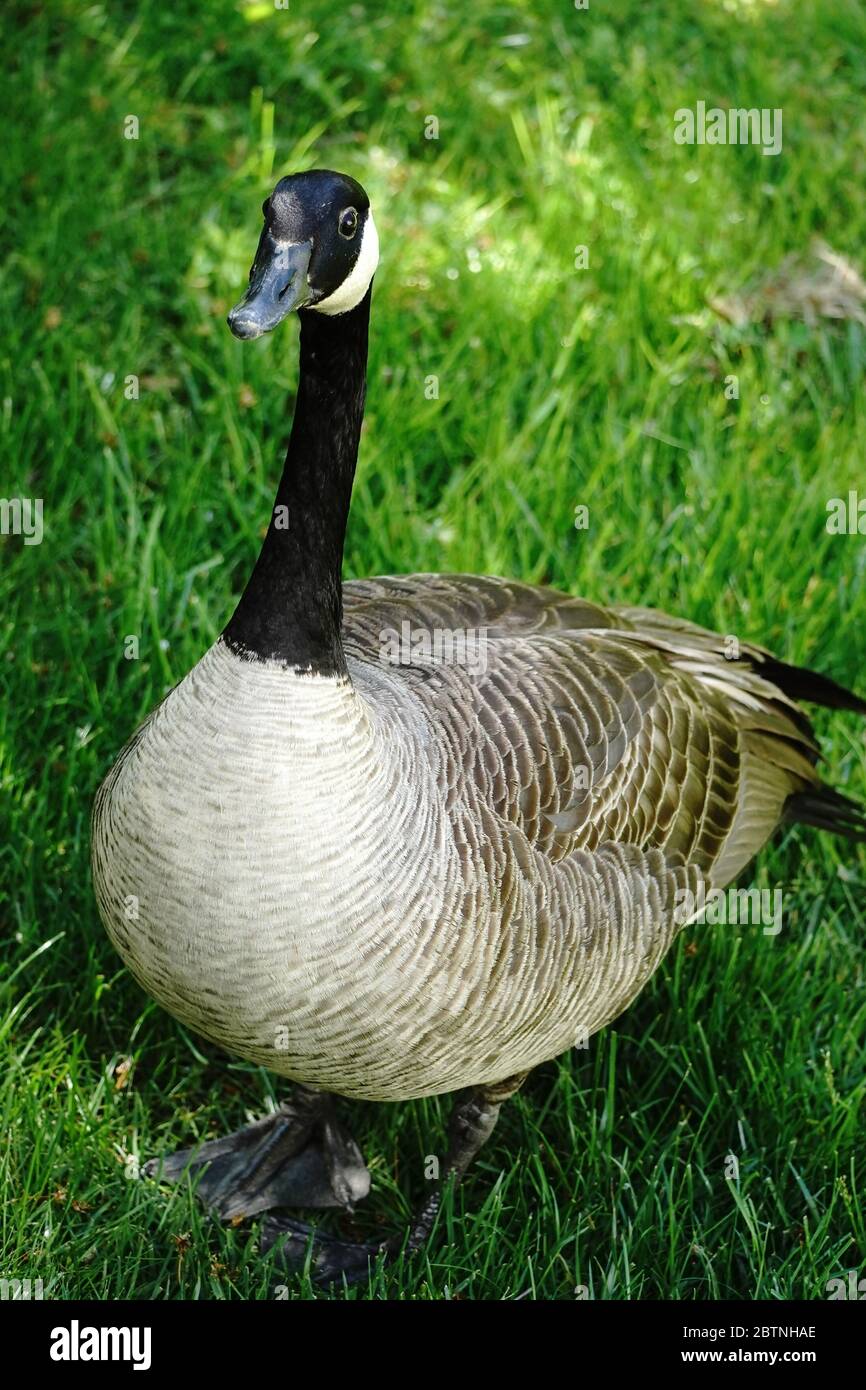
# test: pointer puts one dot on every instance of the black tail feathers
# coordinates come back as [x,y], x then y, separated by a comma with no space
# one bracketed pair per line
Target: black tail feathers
[819,806]
[827,809]
[799,683]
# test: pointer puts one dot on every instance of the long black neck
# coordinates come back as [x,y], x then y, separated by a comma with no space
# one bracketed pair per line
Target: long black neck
[292,607]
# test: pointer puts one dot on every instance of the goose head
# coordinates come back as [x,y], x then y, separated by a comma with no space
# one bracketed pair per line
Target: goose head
[318,250]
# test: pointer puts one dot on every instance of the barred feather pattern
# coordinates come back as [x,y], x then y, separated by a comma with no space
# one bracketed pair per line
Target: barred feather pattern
[430,876]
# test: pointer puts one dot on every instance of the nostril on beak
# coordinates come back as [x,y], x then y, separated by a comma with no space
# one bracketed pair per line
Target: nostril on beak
[242,325]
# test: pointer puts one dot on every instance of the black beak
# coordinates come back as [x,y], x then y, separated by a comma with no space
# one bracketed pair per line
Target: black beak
[278,285]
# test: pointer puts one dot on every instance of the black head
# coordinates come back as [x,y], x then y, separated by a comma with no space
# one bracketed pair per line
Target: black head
[318,250]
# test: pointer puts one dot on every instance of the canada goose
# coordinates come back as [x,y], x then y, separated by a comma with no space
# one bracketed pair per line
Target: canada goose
[387,879]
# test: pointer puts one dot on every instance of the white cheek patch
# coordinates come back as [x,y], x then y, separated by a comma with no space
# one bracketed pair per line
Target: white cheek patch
[357,282]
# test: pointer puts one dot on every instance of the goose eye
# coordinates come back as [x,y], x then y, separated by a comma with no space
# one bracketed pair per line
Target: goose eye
[348,223]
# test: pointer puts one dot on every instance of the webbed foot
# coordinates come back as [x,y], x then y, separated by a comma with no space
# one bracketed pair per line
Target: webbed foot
[301,1156]
[331,1259]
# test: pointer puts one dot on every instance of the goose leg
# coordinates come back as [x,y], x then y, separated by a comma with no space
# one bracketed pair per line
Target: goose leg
[473,1120]
[299,1157]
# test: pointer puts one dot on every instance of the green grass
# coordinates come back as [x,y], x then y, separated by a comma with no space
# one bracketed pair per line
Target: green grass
[557,387]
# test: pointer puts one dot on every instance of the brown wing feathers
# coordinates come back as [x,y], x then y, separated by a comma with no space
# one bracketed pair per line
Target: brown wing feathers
[592,725]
